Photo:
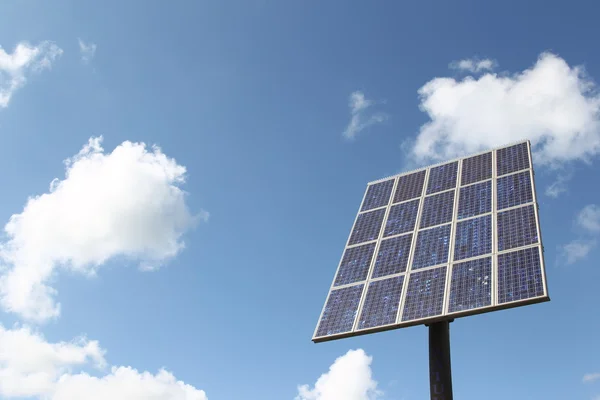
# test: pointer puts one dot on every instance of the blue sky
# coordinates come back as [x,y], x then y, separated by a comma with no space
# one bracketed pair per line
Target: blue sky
[198,270]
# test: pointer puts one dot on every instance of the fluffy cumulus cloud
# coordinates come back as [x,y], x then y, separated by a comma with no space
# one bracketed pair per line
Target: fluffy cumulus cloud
[87,51]
[559,186]
[577,250]
[348,378]
[589,218]
[361,116]
[125,203]
[30,366]
[16,66]
[473,65]
[553,104]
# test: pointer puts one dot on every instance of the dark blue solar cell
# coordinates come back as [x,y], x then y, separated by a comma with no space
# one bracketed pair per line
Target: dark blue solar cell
[516,228]
[378,195]
[519,275]
[367,226]
[473,237]
[437,209]
[381,303]
[442,178]
[477,168]
[425,294]
[470,286]
[355,264]
[432,247]
[475,199]
[514,190]
[512,159]
[402,218]
[340,311]
[409,186]
[392,257]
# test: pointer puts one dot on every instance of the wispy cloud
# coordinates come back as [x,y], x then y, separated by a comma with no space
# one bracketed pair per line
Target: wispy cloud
[587,222]
[473,65]
[559,186]
[87,51]
[25,59]
[589,218]
[577,250]
[360,120]
[589,378]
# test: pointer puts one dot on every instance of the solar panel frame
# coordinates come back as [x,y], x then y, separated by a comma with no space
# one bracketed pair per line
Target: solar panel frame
[445,315]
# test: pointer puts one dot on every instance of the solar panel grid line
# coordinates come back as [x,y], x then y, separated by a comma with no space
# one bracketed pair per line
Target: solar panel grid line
[537,220]
[494,231]
[413,246]
[371,209]
[444,162]
[377,246]
[475,216]
[513,207]
[475,183]
[339,264]
[454,220]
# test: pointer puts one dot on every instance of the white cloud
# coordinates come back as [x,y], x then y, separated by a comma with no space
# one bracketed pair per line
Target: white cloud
[589,378]
[32,367]
[359,121]
[125,203]
[87,50]
[473,65]
[559,186]
[349,378]
[589,218]
[577,250]
[553,104]
[16,66]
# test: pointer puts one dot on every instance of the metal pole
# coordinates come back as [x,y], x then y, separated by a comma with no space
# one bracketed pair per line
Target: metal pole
[440,374]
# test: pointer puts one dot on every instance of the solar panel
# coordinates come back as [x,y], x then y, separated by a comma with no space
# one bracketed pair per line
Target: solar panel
[409,186]
[381,303]
[378,195]
[438,251]
[355,264]
[473,237]
[514,190]
[513,158]
[471,285]
[477,168]
[442,178]
[392,257]
[367,226]
[437,209]
[475,200]
[402,218]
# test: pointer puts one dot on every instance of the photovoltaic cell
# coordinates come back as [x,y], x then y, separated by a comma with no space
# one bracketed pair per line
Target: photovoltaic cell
[392,257]
[471,285]
[340,310]
[475,199]
[402,218]
[519,275]
[378,195]
[473,237]
[514,190]
[409,186]
[437,209]
[355,264]
[517,228]
[425,294]
[442,178]
[512,159]
[432,247]
[495,260]
[381,303]
[367,226]
[475,169]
